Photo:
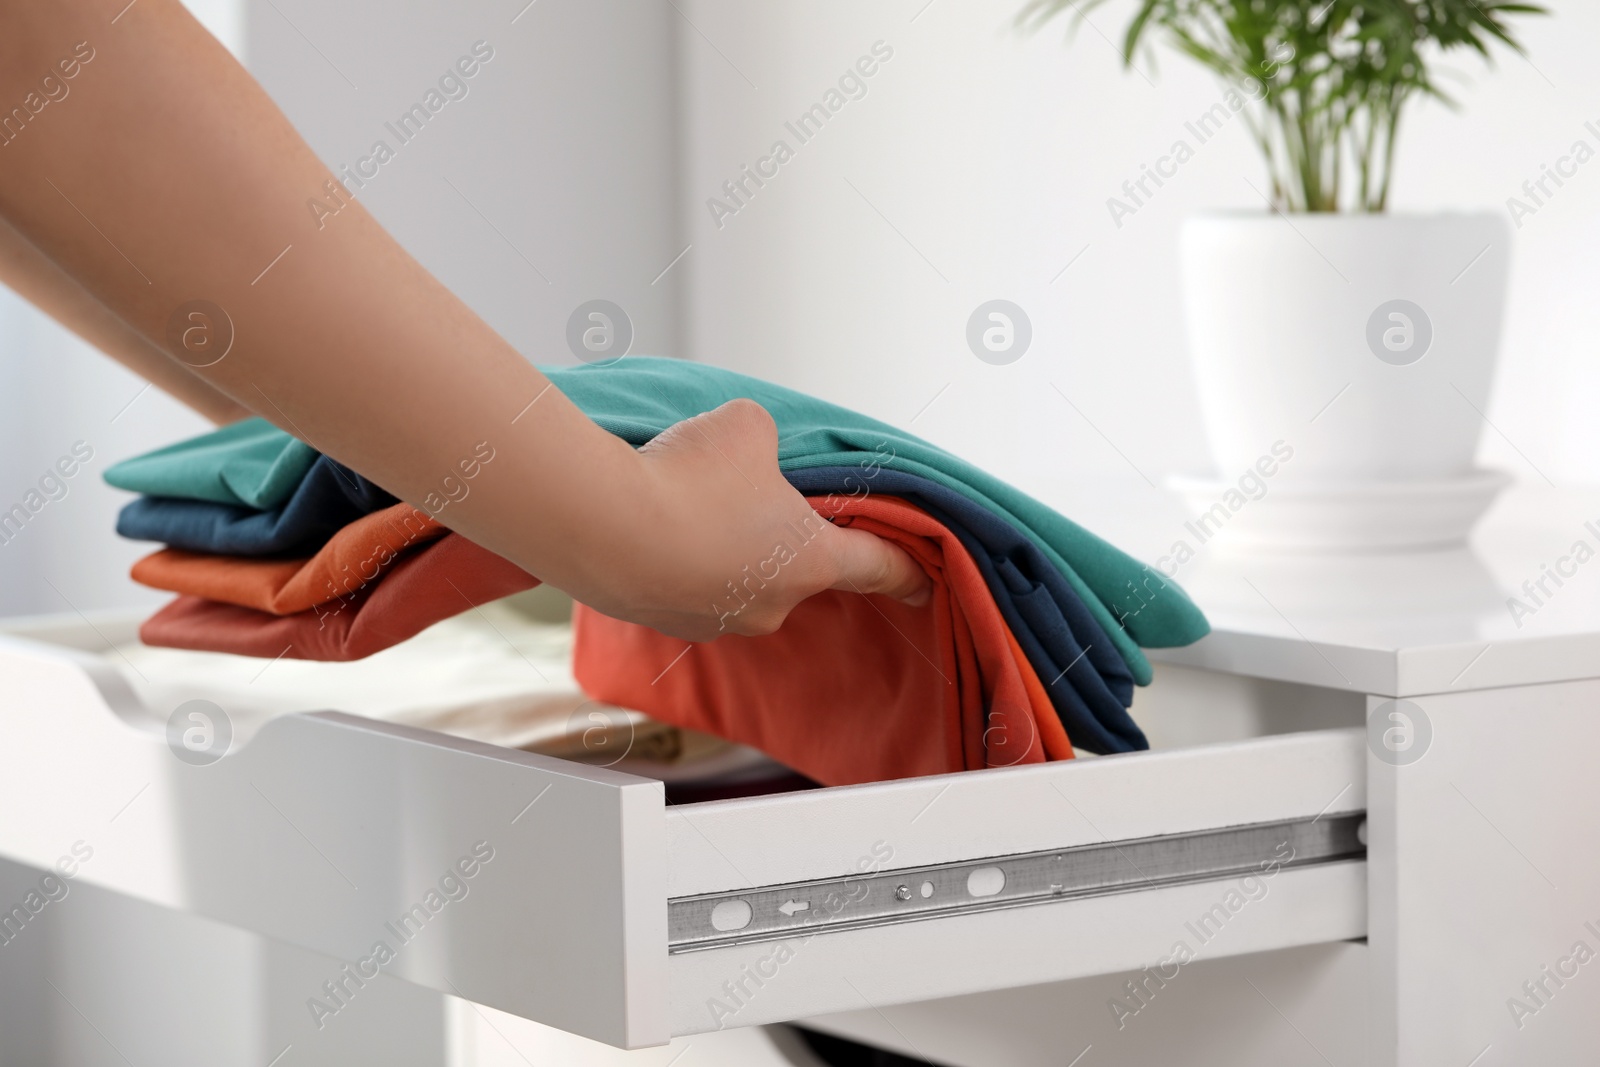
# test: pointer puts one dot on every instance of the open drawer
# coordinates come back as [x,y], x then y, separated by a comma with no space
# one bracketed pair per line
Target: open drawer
[575,896]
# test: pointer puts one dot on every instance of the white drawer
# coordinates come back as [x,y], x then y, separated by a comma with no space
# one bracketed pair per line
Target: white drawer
[324,830]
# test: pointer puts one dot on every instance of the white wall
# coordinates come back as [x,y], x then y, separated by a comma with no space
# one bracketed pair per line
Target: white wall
[565,145]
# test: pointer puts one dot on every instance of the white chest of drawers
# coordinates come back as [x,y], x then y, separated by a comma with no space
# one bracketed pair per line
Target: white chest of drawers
[594,914]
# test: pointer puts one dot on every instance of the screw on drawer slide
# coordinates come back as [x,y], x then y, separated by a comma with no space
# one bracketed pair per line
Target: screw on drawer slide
[768,913]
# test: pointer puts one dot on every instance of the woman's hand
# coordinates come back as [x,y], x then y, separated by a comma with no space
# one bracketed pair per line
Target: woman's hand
[727,546]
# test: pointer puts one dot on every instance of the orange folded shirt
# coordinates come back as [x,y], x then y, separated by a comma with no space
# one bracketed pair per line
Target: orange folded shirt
[852,688]
[435,582]
[352,560]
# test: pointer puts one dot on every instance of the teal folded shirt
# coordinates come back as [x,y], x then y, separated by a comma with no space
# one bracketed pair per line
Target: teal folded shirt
[638,397]
[249,464]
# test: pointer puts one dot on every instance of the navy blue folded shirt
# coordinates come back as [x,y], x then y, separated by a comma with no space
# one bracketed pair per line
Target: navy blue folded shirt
[328,498]
[1087,679]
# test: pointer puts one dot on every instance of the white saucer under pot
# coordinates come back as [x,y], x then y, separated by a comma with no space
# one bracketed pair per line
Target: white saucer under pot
[1311,516]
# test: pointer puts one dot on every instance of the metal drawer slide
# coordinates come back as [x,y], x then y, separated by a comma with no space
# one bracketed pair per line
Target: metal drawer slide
[875,898]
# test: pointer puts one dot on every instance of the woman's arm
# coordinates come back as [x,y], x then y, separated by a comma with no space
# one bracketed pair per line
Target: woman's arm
[36,278]
[159,174]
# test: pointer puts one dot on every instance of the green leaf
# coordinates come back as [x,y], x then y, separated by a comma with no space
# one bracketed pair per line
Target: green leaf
[1338,73]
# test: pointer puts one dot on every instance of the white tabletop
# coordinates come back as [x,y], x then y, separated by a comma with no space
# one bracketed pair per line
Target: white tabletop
[1391,625]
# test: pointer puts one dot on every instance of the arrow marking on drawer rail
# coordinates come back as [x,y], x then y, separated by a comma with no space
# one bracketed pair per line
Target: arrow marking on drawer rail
[789,907]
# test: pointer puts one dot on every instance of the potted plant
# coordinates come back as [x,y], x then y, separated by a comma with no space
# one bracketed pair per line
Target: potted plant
[1363,341]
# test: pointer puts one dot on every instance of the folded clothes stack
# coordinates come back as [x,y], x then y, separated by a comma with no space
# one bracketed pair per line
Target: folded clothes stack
[1029,647]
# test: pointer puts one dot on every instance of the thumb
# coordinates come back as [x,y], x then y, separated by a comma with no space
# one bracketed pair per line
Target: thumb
[869,564]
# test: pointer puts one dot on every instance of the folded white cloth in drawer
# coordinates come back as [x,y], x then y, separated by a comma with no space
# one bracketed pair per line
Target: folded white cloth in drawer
[492,675]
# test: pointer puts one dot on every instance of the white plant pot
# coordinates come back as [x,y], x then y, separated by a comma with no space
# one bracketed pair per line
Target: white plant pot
[1366,344]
